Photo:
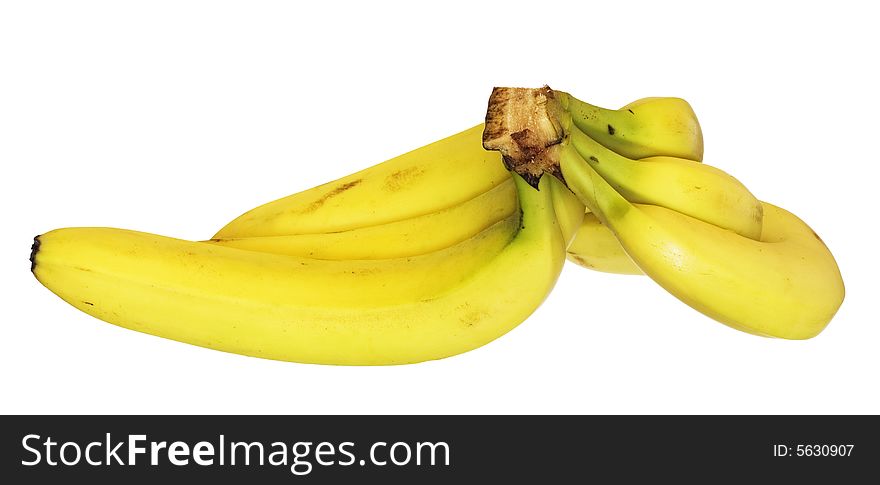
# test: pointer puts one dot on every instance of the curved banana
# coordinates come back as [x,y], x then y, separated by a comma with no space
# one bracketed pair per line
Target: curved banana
[419,182]
[332,282]
[423,234]
[648,127]
[570,211]
[597,248]
[787,284]
[528,127]
[686,186]
[443,174]
[252,303]
[407,237]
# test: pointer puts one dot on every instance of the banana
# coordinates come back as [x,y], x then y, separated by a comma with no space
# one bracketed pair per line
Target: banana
[276,307]
[356,282]
[441,175]
[648,127]
[529,131]
[786,284]
[417,184]
[407,237]
[570,211]
[686,186]
[597,248]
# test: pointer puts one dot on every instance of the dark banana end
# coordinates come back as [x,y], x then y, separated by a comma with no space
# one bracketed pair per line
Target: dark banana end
[35,248]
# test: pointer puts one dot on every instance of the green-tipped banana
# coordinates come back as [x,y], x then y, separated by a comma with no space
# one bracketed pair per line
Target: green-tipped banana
[696,189]
[648,127]
[419,182]
[529,136]
[405,206]
[786,284]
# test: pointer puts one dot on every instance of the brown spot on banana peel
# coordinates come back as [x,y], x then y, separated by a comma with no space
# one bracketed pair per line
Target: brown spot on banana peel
[401,178]
[473,317]
[580,260]
[329,195]
[611,130]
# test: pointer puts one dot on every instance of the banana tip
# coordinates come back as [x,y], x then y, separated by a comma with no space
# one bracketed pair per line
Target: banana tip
[35,248]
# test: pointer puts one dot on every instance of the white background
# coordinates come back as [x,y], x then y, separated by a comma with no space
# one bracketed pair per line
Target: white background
[174,117]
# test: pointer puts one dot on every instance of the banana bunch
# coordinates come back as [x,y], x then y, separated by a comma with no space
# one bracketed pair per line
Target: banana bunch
[692,228]
[358,312]
[445,248]
[449,191]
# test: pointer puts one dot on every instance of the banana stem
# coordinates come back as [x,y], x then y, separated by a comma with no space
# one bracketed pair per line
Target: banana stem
[533,131]
[526,126]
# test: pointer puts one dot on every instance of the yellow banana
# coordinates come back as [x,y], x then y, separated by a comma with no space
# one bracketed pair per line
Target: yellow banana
[529,131]
[407,237]
[570,211]
[689,187]
[783,284]
[354,217]
[353,282]
[596,247]
[648,127]
[443,174]
[786,284]
[276,307]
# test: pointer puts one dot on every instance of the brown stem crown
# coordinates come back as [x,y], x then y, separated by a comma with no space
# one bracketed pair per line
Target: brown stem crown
[525,125]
